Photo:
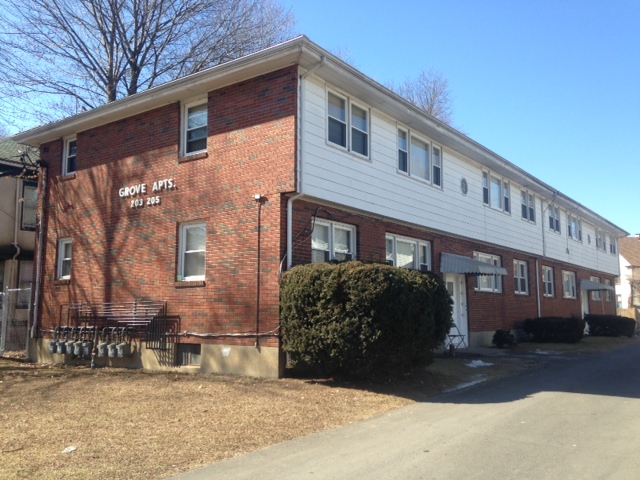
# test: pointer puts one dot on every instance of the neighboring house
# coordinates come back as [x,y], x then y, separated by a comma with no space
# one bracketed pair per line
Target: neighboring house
[628,284]
[200,192]
[18,208]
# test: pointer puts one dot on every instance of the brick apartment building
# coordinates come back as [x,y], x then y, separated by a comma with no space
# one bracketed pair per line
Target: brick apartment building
[196,195]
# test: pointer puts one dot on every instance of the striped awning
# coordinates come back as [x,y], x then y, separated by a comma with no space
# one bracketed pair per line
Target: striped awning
[450,263]
[591,286]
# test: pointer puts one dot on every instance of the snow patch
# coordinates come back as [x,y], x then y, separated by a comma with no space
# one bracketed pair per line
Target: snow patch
[479,363]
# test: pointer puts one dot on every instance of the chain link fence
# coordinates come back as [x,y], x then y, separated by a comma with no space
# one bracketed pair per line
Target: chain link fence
[14,315]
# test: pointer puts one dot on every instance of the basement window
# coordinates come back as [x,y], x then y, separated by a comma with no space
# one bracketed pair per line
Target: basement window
[189,354]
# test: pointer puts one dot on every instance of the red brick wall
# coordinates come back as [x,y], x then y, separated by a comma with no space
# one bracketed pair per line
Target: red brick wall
[487,311]
[122,253]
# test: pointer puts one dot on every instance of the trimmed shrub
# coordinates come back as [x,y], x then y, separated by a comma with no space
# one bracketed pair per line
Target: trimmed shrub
[503,339]
[355,320]
[554,329]
[610,325]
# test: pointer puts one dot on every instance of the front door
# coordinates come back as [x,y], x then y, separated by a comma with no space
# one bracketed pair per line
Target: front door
[584,298]
[456,288]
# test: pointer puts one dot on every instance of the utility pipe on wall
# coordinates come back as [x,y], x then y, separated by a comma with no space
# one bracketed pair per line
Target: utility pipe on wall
[36,296]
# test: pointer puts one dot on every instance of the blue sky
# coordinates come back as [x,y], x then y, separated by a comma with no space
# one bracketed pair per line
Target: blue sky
[553,86]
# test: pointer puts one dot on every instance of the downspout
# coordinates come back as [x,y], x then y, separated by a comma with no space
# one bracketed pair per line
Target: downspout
[538,287]
[544,253]
[300,142]
[13,277]
[36,297]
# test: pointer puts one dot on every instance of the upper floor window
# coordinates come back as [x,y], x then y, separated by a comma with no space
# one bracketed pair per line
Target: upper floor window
[356,123]
[69,156]
[521,276]
[528,205]
[419,158]
[574,227]
[495,192]
[554,218]
[569,284]
[548,281]
[613,245]
[29,205]
[332,241]
[489,283]
[194,128]
[595,294]
[408,253]
[65,250]
[601,239]
[192,252]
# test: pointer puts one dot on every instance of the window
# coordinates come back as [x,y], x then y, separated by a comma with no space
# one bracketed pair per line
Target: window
[64,258]
[528,206]
[607,293]
[618,301]
[489,283]
[29,205]
[408,253]
[495,192]
[189,354]
[595,294]
[195,128]
[419,158]
[547,281]
[332,241]
[601,239]
[69,163]
[26,275]
[554,218]
[568,284]
[574,227]
[193,249]
[358,139]
[521,276]
[613,245]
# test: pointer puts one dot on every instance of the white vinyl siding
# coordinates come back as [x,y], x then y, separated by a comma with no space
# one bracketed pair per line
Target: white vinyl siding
[332,241]
[408,253]
[489,283]
[569,284]
[521,277]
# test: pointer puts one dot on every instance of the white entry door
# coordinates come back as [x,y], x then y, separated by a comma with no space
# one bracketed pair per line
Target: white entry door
[456,288]
[584,300]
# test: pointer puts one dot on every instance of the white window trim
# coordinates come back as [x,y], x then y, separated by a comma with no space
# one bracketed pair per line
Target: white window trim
[419,244]
[517,267]
[528,202]
[601,239]
[65,156]
[496,280]
[548,278]
[349,103]
[571,220]
[184,123]
[430,147]
[23,225]
[182,243]
[504,194]
[613,245]
[570,278]
[332,253]
[62,243]
[555,224]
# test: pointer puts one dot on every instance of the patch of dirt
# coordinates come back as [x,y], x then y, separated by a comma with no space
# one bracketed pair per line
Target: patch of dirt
[129,424]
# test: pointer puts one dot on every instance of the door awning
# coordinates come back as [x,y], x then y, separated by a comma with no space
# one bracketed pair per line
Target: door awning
[450,263]
[591,286]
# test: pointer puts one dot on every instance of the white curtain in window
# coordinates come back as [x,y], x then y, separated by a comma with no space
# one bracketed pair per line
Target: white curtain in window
[320,238]
[405,254]
[342,240]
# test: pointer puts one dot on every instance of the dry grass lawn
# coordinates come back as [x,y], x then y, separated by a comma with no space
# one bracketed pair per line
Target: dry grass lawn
[129,424]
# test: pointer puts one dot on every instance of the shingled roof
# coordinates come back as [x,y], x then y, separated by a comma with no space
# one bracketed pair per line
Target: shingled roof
[11,162]
[630,250]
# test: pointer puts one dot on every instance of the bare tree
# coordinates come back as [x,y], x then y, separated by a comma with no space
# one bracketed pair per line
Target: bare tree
[63,56]
[430,92]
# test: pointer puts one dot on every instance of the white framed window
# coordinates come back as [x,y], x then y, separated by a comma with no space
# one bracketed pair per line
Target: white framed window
[574,227]
[568,284]
[192,252]
[408,253]
[595,294]
[489,283]
[26,275]
[554,218]
[528,206]
[613,245]
[548,281]
[419,157]
[195,127]
[332,241]
[69,156]
[607,293]
[65,251]
[495,192]
[618,301]
[351,131]
[601,239]
[29,205]
[521,277]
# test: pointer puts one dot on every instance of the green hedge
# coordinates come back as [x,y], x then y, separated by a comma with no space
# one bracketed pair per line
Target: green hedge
[354,319]
[554,329]
[610,325]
